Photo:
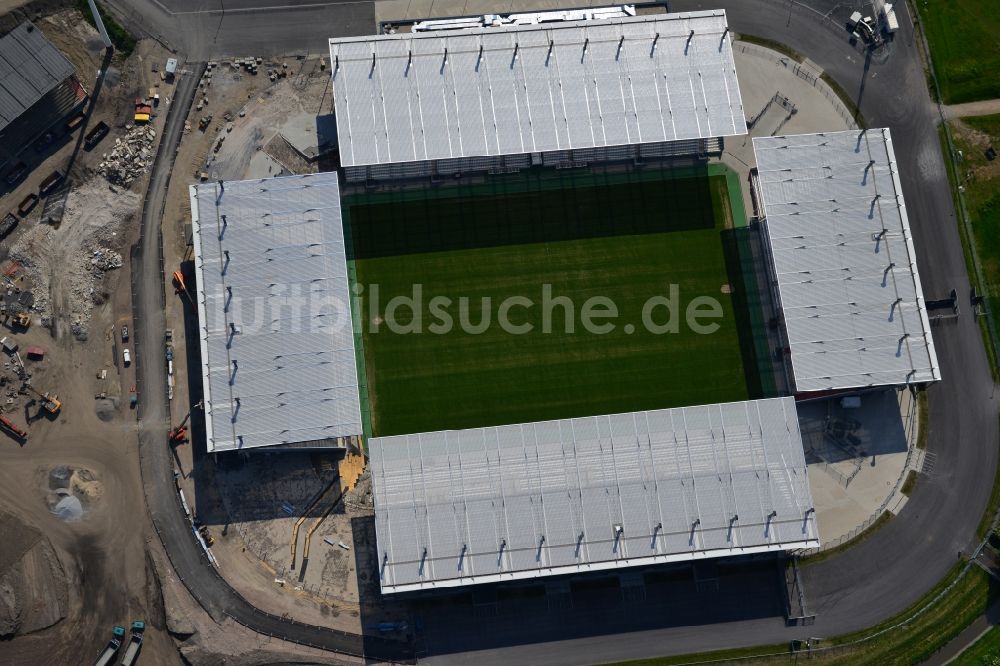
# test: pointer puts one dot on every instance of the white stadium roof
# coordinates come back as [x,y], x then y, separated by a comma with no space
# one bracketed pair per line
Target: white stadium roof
[843,255]
[277,343]
[519,89]
[522,501]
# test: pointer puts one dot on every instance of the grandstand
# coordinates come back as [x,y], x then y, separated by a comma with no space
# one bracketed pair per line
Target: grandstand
[842,261]
[605,492]
[275,328]
[506,98]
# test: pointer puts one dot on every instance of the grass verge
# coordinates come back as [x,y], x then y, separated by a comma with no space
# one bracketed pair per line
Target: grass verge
[844,96]
[773,45]
[980,180]
[123,41]
[984,652]
[890,643]
[816,558]
[911,480]
[962,37]
[922,416]
[991,508]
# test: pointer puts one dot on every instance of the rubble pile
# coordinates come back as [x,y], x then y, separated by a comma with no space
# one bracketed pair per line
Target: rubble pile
[131,156]
[106,259]
[70,268]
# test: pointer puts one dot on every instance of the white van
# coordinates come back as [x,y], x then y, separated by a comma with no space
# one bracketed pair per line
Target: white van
[126,357]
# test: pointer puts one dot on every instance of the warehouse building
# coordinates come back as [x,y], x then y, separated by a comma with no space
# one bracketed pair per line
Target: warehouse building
[38,90]
[842,263]
[274,316]
[590,494]
[508,97]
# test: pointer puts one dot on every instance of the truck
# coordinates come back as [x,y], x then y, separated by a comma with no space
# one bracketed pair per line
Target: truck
[890,23]
[50,183]
[107,656]
[95,135]
[27,204]
[134,643]
[8,225]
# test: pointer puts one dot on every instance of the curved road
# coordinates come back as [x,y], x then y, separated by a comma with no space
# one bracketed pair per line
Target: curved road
[861,587]
[186,556]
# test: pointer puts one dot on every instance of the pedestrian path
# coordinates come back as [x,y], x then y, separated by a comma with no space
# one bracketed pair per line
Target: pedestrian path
[986,107]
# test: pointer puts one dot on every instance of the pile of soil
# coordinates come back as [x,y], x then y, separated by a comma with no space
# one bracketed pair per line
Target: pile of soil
[33,590]
[71,491]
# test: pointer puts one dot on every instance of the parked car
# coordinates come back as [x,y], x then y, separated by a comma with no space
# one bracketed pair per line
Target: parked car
[126,357]
[124,333]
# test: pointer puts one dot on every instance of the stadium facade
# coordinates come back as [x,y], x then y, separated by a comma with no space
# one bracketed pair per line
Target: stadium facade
[603,492]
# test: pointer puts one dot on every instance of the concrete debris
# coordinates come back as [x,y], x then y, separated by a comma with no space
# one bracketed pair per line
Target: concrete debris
[69,268]
[131,157]
[106,259]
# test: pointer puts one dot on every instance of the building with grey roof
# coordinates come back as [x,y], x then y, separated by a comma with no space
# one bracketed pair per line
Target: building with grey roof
[842,261]
[569,91]
[604,492]
[37,89]
[274,314]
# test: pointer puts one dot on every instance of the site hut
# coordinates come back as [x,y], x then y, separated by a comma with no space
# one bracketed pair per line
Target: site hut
[38,90]
[505,98]
[274,318]
[842,263]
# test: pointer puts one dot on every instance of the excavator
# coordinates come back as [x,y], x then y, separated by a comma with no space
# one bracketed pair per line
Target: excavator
[50,401]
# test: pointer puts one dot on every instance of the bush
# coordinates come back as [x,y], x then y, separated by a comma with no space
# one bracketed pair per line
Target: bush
[122,40]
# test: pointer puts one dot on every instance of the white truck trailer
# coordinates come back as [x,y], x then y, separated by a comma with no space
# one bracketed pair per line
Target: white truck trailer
[108,654]
[134,643]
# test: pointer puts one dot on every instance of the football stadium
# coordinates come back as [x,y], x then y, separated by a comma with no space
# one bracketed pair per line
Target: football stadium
[529,295]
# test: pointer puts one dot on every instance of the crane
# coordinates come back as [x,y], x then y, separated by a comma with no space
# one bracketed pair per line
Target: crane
[178,435]
[50,401]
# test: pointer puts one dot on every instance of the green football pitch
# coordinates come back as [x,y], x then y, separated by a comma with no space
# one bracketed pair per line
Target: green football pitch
[541,245]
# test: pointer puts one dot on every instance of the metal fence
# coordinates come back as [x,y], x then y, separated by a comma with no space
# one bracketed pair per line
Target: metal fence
[803,72]
[909,426]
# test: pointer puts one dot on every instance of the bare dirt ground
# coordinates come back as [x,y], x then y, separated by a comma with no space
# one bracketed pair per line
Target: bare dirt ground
[70,266]
[986,170]
[76,561]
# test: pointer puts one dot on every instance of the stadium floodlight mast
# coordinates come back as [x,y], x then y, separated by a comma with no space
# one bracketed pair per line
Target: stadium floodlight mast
[100,25]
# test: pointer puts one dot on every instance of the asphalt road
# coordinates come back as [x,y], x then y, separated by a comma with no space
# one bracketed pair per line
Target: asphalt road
[863,586]
[186,556]
[206,29]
